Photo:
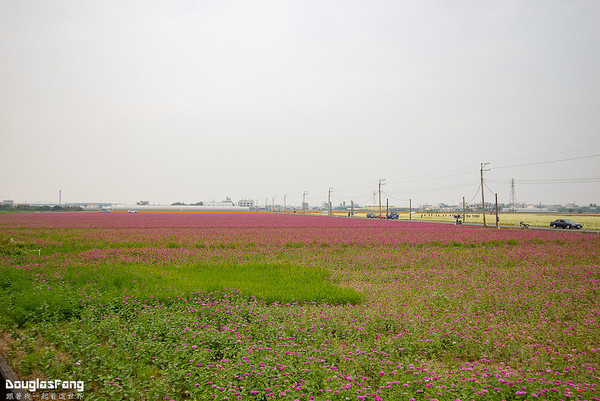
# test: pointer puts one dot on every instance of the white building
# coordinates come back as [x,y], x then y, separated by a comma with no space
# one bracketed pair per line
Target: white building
[246,203]
[226,202]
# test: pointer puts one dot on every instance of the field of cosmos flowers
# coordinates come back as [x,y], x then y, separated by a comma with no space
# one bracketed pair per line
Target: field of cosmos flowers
[185,307]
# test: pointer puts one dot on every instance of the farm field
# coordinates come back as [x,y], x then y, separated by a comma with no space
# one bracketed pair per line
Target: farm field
[589,221]
[273,306]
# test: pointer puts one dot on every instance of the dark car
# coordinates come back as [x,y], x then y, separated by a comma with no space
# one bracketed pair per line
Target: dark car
[371,216]
[392,216]
[565,223]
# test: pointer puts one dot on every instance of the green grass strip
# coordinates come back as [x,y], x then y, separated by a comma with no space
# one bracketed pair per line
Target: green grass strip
[272,283]
[30,299]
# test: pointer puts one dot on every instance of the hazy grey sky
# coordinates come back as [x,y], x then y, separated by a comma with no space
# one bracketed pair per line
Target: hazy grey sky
[186,101]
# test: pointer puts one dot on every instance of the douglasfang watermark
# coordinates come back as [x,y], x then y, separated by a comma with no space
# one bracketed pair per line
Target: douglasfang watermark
[35,385]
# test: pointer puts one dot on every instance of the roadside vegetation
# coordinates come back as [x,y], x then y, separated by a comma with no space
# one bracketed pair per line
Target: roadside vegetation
[28,208]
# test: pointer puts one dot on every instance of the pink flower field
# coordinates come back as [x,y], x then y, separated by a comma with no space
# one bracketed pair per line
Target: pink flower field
[445,312]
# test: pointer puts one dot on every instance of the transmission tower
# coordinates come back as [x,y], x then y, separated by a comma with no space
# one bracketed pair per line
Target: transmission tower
[513,196]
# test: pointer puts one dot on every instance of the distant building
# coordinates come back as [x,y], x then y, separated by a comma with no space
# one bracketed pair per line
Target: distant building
[226,202]
[246,203]
[176,208]
[526,209]
[8,202]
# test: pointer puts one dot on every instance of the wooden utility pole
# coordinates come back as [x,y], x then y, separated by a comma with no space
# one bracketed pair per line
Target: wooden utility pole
[464,214]
[387,206]
[483,191]
[352,208]
[410,209]
[329,200]
[497,218]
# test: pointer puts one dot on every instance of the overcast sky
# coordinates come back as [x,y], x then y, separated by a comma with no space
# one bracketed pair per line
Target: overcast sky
[119,101]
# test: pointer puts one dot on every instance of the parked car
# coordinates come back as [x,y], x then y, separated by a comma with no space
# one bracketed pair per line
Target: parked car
[392,216]
[132,211]
[565,223]
[371,216]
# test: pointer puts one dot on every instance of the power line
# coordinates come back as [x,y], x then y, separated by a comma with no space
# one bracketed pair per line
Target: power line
[462,185]
[476,193]
[462,172]
[547,154]
[431,179]
[490,189]
[410,180]
[547,162]
[372,197]
[393,197]
[356,197]
[551,181]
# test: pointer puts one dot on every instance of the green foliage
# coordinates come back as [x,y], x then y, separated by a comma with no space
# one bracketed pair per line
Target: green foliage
[9,247]
[56,299]
[30,208]
[270,282]
[27,300]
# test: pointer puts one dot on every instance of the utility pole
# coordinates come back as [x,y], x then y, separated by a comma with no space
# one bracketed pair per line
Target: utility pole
[329,201]
[60,196]
[497,218]
[410,209]
[352,208]
[273,205]
[387,206]
[381,180]
[483,190]
[464,214]
[284,205]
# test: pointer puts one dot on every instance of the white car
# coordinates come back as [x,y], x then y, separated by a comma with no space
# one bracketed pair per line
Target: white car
[132,211]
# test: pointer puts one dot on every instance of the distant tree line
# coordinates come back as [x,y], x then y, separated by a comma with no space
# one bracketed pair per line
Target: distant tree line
[29,208]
